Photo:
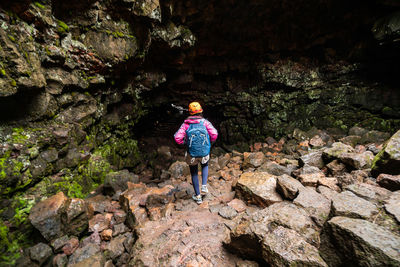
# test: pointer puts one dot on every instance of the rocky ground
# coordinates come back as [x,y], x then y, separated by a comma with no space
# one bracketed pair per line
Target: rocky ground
[312,199]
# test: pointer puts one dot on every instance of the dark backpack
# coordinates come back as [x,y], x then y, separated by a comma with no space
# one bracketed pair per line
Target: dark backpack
[198,140]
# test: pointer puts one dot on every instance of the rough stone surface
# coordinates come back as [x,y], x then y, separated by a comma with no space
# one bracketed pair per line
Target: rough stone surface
[392,205]
[40,253]
[360,241]
[357,160]
[96,260]
[336,151]
[285,247]
[116,247]
[46,216]
[117,181]
[83,253]
[227,212]
[313,158]
[315,204]
[388,160]
[288,187]
[179,169]
[258,188]
[253,160]
[274,168]
[349,205]
[391,182]
[369,192]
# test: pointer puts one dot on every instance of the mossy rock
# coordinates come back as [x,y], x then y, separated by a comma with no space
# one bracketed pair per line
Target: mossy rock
[388,159]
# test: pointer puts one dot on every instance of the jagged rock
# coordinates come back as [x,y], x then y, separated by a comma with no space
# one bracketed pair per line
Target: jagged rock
[351,140]
[119,216]
[174,36]
[392,205]
[60,260]
[119,229]
[330,182]
[258,188]
[147,8]
[326,192]
[253,160]
[315,204]
[115,248]
[77,215]
[246,237]
[99,203]
[274,168]
[335,167]
[40,253]
[374,137]
[359,241]
[100,222]
[70,246]
[317,142]
[349,205]
[84,253]
[106,235]
[96,260]
[313,158]
[391,182]
[309,175]
[224,160]
[346,179]
[227,212]
[179,169]
[336,151]
[369,192]
[238,205]
[356,160]
[388,160]
[58,243]
[46,216]
[285,247]
[288,187]
[117,181]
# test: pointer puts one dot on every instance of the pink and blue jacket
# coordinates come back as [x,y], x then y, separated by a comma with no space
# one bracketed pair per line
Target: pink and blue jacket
[180,135]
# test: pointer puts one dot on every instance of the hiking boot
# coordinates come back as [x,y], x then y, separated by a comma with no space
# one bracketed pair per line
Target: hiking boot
[204,189]
[197,199]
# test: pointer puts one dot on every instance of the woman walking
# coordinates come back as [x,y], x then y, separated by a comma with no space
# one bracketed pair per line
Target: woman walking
[198,134]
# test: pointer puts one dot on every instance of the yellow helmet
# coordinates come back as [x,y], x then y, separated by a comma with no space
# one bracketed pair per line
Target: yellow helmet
[195,108]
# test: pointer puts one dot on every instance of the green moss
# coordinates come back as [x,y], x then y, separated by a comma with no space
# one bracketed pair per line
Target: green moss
[11,38]
[13,83]
[62,27]
[39,5]
[3,72]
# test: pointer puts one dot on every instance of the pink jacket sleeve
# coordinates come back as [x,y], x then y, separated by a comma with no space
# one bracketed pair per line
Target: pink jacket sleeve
[180,135]
[211,131]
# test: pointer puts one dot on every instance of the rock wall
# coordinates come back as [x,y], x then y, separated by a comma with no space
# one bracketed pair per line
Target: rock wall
[82,83]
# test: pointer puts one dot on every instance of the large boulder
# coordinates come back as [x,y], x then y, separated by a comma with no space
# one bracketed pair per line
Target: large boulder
[117,181]
[264,227]
[391,182]
[369,192]
[274,168]
[357,160]
[388,159]
[46,216]
[359,242]
[285,247]
[253,160]
[336,151]
[392,205]
[349,205]
[288,187]
[313,158]
[315,204]
[258,188]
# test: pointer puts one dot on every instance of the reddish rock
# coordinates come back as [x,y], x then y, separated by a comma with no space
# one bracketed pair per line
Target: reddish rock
[316,142]
[238,205]
[253,160]
[330,182]
[258,188]
[335,167]
[391,182]
[106,235]
[70,246]
[288,187]
[99,203]
[46,216]
[99,222]
[119,216]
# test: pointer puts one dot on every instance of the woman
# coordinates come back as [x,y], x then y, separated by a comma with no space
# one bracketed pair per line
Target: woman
[195,122]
